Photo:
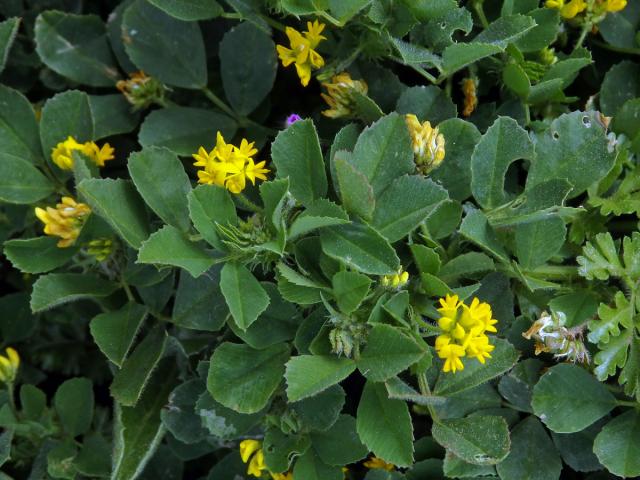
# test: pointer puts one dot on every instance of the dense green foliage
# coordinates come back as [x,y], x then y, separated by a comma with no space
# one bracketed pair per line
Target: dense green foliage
[170,312]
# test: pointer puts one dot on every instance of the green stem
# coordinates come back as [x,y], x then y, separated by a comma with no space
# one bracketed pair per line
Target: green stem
[217,101]
[627,403]
[248,204]
[424,73]
[12,402]
[479,8]
[127,291]
[560,272]
[330,19]
[423,384]
[586,28]
[527,113]
[270,21]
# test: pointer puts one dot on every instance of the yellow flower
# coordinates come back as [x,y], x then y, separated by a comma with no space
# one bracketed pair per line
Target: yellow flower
[256,464]
[62,153]
[9,365]
[464,332]
[248,448]
[229,166]
[615,5]
[64,221]
[282,476]
[340,93]
[470,99]
[569,9]
[428,144]
[377,463]
[302,51]
[396,280]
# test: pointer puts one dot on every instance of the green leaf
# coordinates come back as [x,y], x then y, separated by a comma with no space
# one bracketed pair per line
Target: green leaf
[365,108]
[76,47]
[532,455]
[161,180]
[60,459]
[321,213]
[613,354]
[184,130]
[480,440]
[130,381]
[164,47]
[190,10]
[576,449]
[350,289]
[74,405]
[248,65]
[345,10]
[112,115]
[355,190]
[455,467]
[169,246]
[127,216]
[339,445]
[537,242]
[8,31]
[620,29]
[308,375]
[387,353]
[222,422]
[427,103]
[405,204]
[467,265]
[516,80]
[5,447]
[543,34]
[568,399]
[475,227]
[600,258]
[279,448]
[58,288]
[503,358]
[33,402]
[397,389]
[617,446]
[244,295]
[296,154]
[610,319]
[383,152]
[321,411]
[414,54]
[90,461]
[517,386]
[138,430]
[209,205]
[19,132]
[575,147]
[274,196]
[310,467]
[578,307]
[361,247]
[180,416]
[115,331]
[21,182]
[384,425]
[67,114]
[503,143]
[505,30]
[454,173]
[459,55]
[630,374]
[242,378]
[199,303]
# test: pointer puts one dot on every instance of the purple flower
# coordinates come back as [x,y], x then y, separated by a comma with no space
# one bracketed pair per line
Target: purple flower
[293,118]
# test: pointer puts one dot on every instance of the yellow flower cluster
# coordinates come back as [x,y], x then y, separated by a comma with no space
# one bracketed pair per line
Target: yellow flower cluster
[570,9]
[427,142]
[229,166]
[9,365]
[396,280]
[470,99]
[302,51]
[64,221]
[464,332]
[251,452]
[375,463]
[62,154]
[339,96]
[141,90]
